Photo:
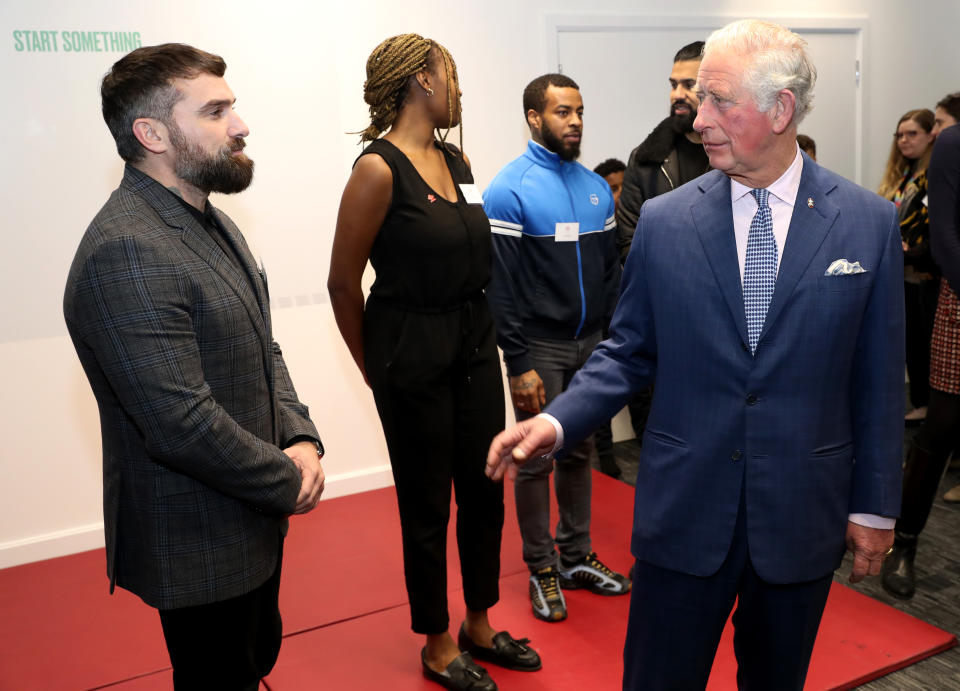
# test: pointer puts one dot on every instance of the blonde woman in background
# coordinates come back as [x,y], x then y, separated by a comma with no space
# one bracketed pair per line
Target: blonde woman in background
[905,184]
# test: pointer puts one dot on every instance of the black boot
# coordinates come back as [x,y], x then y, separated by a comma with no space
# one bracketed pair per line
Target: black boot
[897,576]
[921,477]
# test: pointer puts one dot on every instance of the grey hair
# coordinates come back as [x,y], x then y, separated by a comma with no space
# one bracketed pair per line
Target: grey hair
[777,59]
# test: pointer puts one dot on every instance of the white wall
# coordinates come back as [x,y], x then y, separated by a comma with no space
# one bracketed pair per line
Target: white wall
[297,69]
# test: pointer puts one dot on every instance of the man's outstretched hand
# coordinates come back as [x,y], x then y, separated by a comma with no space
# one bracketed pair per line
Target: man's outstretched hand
[515,446]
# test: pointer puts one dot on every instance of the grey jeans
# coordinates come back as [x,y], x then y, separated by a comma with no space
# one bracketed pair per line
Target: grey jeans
[556,362]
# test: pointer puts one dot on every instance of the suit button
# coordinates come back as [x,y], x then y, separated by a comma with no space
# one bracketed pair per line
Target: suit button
[736,455]
[751,399]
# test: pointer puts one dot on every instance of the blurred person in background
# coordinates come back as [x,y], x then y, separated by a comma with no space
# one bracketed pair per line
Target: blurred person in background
[610,170]
[936,439]
[807,145]
[905,184]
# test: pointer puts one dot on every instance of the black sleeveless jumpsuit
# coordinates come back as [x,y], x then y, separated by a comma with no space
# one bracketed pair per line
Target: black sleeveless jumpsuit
[431,358]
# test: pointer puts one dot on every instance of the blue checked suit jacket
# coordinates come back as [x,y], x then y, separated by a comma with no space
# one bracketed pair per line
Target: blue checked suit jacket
[194,398]
[810,428]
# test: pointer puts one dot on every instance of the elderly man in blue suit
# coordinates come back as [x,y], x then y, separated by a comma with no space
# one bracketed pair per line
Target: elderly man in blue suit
[765,299]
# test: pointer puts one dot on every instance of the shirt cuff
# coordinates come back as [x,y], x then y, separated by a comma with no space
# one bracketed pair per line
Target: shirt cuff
[557,428]
[870,520]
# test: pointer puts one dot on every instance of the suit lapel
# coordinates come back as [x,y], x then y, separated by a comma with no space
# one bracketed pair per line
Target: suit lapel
[172,213]
[808,228]
[205,247]
[713,219]
[232,233]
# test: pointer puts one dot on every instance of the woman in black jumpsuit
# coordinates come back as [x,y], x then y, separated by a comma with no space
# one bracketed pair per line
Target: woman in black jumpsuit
[426,345]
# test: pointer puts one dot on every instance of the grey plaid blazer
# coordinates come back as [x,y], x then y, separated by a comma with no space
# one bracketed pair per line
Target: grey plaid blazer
[195,400]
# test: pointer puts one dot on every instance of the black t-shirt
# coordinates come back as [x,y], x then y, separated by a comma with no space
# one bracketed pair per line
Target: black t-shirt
[208,220]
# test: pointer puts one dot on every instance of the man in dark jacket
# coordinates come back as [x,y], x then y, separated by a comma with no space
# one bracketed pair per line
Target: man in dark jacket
[671,155]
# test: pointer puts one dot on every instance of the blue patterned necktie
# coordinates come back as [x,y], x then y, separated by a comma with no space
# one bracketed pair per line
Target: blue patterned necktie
[760,269]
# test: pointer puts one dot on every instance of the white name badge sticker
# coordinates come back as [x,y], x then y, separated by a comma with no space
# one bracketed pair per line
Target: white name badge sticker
[471,194]
[567,232]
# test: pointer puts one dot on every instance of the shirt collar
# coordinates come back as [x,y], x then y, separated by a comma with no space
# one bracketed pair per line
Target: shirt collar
[785,188]
[542,155]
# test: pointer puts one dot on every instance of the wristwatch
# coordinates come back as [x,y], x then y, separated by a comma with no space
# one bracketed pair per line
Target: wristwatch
[304,437]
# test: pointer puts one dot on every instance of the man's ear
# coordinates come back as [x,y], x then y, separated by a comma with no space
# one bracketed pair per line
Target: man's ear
[152,135]
[534,119]
[783,110]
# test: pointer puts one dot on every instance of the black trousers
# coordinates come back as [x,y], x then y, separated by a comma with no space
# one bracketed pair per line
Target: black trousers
[228,645]
[438,387]
[936,440]
[676,621]
[920,301]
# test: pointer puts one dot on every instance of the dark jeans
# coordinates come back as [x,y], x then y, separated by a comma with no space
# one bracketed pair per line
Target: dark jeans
[556,362]
[229,645]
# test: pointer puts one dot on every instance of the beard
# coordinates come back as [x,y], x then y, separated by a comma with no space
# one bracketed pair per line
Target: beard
[220,172]
[682,122]
[568,152]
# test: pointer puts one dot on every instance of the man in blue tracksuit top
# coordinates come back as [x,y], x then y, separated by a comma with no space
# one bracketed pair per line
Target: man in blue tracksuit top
[554,286]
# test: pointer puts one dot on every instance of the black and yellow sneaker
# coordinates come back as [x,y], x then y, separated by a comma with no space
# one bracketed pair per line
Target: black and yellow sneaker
[594,575]
[545,595]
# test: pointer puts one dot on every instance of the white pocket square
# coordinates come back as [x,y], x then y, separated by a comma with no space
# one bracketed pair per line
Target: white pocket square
[842,267]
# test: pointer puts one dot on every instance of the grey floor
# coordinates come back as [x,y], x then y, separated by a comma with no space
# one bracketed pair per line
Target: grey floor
[938,585]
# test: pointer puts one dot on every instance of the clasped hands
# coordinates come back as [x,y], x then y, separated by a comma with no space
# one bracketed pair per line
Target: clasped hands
[304,456]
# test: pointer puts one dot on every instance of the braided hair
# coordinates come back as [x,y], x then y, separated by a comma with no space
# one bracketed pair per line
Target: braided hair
[389,69]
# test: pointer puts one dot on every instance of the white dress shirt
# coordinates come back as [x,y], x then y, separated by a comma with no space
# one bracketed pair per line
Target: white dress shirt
[783,193]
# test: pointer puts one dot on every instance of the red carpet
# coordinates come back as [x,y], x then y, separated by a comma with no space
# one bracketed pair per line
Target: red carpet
[347,623]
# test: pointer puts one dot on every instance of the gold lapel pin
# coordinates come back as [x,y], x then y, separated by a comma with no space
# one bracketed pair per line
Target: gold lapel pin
[810,202]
